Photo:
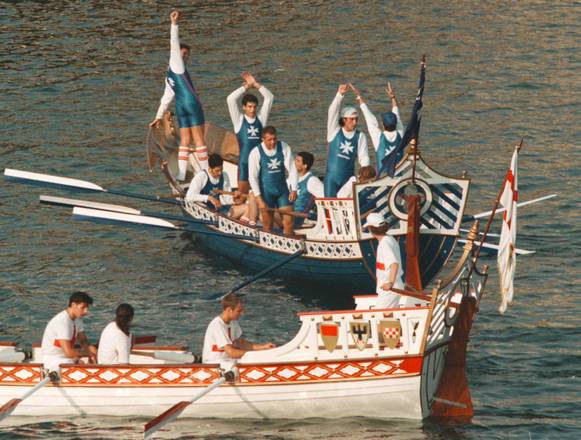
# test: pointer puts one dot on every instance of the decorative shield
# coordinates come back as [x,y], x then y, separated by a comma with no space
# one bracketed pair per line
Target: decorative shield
[390,331]
[360,332]
[329,334]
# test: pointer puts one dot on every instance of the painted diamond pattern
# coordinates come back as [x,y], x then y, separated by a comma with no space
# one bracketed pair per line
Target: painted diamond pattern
[139,376]
[287,373]
[319,372]
[202,375]
[350,370]
[108,375]
[78,375]
[383,367]
[256,374]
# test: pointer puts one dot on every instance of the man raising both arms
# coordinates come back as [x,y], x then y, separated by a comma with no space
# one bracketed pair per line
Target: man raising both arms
[346,144]
[266,169]
[64,330]
[223,342]
[188,106]
[383,141]
[248,123]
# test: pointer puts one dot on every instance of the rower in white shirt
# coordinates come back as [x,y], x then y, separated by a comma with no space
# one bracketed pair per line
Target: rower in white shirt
[384,141]
[115,341]
[64,331]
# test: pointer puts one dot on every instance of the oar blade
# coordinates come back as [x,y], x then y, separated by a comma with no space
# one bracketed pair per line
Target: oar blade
[163,419]
[12,356]
[47,180]
[109,217]
[8,408]
[71,203]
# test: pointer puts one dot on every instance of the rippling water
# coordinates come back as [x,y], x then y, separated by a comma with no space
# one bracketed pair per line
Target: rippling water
[80,81]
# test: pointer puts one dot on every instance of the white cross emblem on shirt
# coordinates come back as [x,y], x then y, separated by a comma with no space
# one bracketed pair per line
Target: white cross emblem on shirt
[274,164]
[252,131]
[346,147]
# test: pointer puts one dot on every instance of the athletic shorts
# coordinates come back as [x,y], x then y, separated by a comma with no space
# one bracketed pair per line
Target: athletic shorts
[190,113]
[243,169]
[276,200]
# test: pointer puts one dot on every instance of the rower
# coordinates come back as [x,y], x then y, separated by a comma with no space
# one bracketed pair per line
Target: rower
[207,185]
[309,186]
[266,165]
[366,174]
[223,342]
[248,123]
[388,268]
[388,139]
[64,331]
[189,109]
[115,341]
[346,144]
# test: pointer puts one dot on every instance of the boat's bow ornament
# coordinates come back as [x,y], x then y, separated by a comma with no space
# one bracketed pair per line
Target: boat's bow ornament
[442,199]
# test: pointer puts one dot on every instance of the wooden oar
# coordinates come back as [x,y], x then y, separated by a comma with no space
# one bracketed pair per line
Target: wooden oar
[77,184]
[119,217]
[62,201]
[495,247]
[174,412]
[9,407]
[219,296]
[469,218]
[182,358]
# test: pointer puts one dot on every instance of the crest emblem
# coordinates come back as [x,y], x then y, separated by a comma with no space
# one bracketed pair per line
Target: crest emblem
[360,332]
[390,331]
[253,132]
[274,164]
[329,332]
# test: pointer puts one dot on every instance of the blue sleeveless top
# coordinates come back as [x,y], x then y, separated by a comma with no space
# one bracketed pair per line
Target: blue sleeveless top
[249,136]
[183,87]
[209,187]
[341,157]
[304,198]
[272,171]
[385,147]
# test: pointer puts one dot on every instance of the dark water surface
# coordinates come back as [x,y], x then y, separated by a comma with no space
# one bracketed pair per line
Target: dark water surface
[79,81]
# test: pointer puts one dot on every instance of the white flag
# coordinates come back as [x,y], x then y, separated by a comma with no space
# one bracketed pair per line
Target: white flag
[507,245]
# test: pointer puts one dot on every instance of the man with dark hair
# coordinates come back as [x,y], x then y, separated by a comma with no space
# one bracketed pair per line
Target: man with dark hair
[388,268]
[64,330]
[309,186]
[223,343]
[207,186]
[345,144]
[383,142]
[189,109]
[366,174]
[248,122]
[266,165]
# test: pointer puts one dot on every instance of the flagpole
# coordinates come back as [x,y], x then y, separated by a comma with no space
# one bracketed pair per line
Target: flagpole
[491,218]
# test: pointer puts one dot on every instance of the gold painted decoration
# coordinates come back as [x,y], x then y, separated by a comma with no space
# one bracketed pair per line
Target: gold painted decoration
[360,332]
[389,331]
[329,332]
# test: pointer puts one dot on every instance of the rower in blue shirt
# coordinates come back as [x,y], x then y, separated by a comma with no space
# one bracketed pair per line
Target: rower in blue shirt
[346,144]
[309,186]
[189,109]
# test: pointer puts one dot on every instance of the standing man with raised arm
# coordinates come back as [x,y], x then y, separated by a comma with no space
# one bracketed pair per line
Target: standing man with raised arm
[266,168]
[189,109]
[383,141]
[345,144]
[65,330]
[248,123]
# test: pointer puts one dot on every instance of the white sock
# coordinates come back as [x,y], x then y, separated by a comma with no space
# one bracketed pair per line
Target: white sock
[182,162]
[202,156]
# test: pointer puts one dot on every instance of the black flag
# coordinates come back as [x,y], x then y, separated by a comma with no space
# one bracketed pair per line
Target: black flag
[412,130]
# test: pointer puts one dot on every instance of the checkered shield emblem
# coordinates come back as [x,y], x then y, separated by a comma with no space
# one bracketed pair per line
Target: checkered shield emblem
[329,334]
[360,332]
[390,331]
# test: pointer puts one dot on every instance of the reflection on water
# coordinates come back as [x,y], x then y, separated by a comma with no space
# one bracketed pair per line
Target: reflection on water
[82,79]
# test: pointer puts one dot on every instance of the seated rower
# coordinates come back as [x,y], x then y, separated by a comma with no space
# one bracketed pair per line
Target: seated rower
[388,268]
[223,343]
[366,174]
[266,165]
[208,185]
[115,341]
[64,330]
[309,186]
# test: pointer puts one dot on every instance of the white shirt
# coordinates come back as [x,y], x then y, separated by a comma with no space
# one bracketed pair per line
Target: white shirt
[61,326]
[114,345]
[218,335]
[176,64]
[373,126]
[254,167]
[388,252]
[314,185]
[197,185]
[346,191]
[235,107]
[333,128]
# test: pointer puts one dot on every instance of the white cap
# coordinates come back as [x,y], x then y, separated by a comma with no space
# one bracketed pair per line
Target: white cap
[349,111]
[374,219]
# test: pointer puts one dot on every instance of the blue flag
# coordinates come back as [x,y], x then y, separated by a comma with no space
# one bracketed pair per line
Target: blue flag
[412,130]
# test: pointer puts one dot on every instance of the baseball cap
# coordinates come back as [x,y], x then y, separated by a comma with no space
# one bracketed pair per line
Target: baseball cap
[374,219]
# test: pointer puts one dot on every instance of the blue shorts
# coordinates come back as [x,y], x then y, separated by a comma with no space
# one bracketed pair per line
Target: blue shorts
[190,113]
[333,184]
[276,200]
[243,169]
